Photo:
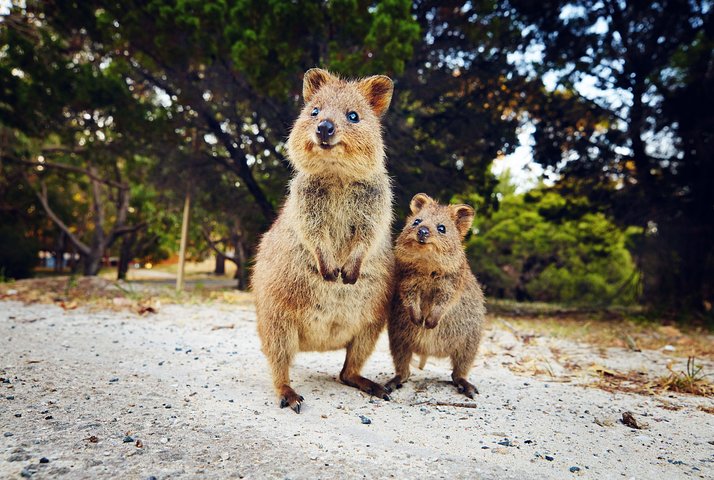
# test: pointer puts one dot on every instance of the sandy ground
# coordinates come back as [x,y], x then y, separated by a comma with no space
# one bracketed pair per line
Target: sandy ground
[185,393]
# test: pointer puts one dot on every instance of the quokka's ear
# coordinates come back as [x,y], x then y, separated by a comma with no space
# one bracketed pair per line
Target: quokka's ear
[419,201]
[463,216]
[378,92]
[312,81]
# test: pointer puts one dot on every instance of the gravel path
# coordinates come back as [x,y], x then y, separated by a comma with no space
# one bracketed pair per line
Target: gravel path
[185,393]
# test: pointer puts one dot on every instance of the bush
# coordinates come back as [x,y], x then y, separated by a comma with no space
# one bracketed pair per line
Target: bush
[541,246]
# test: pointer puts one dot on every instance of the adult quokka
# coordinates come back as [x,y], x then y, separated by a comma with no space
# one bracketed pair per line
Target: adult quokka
[323,276]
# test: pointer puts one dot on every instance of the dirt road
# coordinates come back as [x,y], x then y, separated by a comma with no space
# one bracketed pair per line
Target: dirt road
[185,393]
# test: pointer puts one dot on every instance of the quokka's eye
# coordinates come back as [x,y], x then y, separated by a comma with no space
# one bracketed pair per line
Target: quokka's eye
[441,228]
[416,222]
[315,111]
[352,117]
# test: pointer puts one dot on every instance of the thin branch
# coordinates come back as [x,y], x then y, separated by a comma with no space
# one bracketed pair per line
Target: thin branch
[69,168]
[98,206]
[214,247]
[123,230]
[446,404]
[42,196]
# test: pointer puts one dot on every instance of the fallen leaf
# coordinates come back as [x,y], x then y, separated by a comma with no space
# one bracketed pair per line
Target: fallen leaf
[629,419]
[143,309]
[68,305]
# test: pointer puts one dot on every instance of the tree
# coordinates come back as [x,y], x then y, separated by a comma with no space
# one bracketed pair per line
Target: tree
[457,104]
[232,69]
[636,141]
[66,115]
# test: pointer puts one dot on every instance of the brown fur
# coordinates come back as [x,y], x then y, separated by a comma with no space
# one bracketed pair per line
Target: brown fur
[438,308]
[335,223]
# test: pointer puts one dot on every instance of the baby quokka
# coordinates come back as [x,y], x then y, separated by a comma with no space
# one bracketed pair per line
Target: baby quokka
[438,307]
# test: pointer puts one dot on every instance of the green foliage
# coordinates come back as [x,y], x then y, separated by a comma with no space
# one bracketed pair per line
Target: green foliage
[541,246]
[637,141]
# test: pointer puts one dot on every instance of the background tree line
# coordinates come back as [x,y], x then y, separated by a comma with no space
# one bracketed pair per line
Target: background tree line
[110,112]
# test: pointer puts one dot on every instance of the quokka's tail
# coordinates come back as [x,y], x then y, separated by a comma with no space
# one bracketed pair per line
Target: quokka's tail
[422,361]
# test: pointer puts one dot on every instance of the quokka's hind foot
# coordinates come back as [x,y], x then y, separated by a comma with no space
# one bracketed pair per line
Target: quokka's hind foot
[290,398]
[463,386]
[366,385]
[393,384]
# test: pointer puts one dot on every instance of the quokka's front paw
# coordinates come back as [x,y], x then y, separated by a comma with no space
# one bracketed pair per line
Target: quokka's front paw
[414,315]
[330,275]
[350,271]
[328,272]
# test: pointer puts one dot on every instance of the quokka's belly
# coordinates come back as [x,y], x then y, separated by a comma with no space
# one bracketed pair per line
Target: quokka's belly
[442,341]
[338,312]
[428,342]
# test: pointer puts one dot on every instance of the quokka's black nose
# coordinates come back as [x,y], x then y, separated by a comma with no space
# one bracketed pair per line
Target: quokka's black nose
[422,233]
[325,129]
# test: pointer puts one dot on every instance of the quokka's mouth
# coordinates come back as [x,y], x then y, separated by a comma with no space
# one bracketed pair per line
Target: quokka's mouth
[423,243]
[326,145]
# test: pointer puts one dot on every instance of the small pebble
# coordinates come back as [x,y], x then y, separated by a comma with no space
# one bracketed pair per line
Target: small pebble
[506,443]
[25,473]
[574,469]
[18,415]
[128,439]
[549,458]
[365,420]
[7,434]
[164,440]
[10,397]
[44,460]
[114,380]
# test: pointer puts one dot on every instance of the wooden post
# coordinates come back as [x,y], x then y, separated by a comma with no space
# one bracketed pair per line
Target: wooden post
[184,242]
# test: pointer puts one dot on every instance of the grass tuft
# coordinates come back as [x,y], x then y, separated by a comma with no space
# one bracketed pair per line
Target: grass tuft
[693,380]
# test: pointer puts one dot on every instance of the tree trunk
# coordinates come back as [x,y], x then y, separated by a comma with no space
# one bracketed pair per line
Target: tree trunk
[73,262]
[60,248]
[241,271]
[126,255]
[91,264]
[220,264]
[184,242]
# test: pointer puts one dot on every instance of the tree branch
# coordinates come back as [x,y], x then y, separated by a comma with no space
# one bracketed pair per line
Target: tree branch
[69,168]
[42,196]
[207,236]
